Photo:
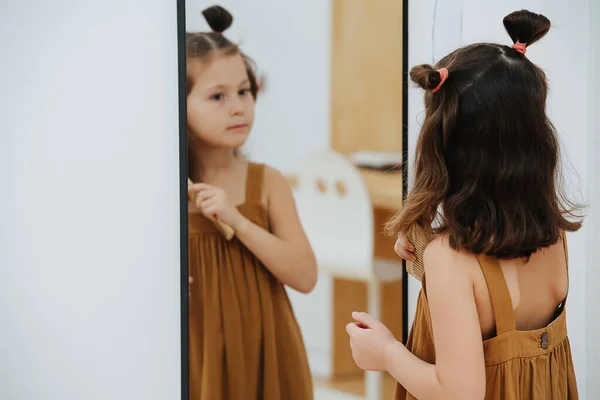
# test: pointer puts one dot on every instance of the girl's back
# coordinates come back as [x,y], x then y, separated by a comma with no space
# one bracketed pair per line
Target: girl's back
[537,288]
[522,320]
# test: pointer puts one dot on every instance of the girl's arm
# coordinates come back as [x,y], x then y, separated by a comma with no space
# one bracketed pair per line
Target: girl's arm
[459,371]
[286,251]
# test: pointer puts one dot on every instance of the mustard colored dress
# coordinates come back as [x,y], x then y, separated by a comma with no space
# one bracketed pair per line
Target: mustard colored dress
[519,365]
[244,340]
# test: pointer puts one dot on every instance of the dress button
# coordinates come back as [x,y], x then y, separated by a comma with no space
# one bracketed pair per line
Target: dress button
[544,342]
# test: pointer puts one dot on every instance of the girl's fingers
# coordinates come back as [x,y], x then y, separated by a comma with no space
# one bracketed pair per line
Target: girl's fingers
[405,244]
[199,187]
[405,254]
[210,202]
[210,211]
[203,196]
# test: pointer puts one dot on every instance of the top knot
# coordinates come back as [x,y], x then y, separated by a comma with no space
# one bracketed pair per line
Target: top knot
[218,18]
[525,28]
[427,77]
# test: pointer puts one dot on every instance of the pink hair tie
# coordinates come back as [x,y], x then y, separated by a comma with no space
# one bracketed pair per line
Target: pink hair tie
[443,76]
[520,47]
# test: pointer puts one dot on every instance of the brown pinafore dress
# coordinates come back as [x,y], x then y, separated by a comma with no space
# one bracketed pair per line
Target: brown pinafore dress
[244,340]
[523,365]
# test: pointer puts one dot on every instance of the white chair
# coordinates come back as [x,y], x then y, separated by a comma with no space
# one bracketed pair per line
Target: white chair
[337,214]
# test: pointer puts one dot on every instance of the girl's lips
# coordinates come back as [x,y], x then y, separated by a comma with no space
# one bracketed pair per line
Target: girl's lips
[241,129]
[238,126]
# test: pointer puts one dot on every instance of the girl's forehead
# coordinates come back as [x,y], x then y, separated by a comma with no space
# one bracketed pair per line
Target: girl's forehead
[220,70]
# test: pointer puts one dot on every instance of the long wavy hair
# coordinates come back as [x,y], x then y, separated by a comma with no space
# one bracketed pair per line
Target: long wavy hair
[487,164]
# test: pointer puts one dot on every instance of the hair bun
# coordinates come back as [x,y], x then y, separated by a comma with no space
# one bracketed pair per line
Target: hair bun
[425,76]
[526,27]
[218,18]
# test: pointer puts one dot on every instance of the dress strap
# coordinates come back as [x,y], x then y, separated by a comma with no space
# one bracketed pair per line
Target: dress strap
[254,182]
[499,294]
[566,249]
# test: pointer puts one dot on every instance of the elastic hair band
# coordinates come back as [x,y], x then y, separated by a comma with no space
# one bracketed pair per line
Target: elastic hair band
[443,76]
[520,47]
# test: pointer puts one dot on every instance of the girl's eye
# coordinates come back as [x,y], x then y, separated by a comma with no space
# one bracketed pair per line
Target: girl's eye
[217,97]
[244,92]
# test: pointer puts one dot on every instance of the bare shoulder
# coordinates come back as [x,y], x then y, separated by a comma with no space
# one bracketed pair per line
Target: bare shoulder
[281,206]
[443,262]
[274,178]
[276,188]
[274,181]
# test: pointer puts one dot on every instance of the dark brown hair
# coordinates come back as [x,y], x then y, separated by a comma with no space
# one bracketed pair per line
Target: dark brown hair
[487,158]
[202,46]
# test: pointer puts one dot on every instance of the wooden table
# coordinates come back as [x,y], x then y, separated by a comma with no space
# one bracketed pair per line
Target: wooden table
[385,188]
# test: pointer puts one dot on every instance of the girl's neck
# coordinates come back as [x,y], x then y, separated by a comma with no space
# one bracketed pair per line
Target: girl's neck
[206,163]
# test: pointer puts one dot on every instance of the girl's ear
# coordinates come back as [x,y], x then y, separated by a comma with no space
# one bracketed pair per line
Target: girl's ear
[261,84]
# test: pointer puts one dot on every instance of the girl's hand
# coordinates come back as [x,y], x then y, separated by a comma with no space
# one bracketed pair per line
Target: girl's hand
[192,208]
[212,201]
[369,340]
[404,248]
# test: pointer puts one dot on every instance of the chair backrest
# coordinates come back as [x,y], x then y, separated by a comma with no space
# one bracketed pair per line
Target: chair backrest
[337,214]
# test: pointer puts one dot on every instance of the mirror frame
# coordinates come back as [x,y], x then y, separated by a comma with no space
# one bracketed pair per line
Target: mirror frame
[405,166]
[183,202]
[183,173]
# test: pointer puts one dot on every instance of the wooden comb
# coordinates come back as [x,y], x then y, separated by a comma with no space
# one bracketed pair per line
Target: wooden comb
[225,229]
[419,239]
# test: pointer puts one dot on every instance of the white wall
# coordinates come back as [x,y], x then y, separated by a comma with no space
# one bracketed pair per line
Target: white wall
[593,220]
[565,56]
[89,252]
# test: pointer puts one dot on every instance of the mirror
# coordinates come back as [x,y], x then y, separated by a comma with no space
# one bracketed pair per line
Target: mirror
[289,128]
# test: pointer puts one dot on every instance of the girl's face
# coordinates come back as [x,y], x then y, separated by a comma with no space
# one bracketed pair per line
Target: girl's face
[220,107]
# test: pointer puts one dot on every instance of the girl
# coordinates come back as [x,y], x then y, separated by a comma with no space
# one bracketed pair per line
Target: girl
[245,342]
[490,320]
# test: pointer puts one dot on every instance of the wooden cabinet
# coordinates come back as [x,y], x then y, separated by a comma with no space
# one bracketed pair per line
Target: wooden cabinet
[366,75]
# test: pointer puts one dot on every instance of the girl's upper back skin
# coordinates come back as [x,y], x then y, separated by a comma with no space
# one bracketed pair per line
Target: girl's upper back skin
[537,287]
